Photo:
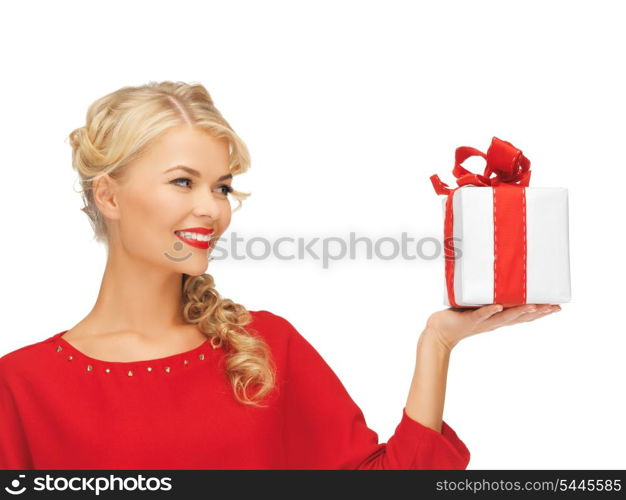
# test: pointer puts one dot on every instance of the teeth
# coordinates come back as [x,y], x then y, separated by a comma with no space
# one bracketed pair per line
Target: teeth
[194,236]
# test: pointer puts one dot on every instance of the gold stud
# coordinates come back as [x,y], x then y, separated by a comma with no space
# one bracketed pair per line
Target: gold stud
[108,370]
[149,368]
[201,356]
[70,357]
[186,362]
[130,373]
[59,349]
[89,368]
[167,369]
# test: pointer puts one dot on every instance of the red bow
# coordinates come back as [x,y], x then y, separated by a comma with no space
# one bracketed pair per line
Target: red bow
[503,159]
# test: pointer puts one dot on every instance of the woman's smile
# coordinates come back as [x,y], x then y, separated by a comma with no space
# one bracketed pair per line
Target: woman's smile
[194,239]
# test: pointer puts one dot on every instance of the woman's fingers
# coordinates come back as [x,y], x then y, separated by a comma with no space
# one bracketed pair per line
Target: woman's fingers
[540,313]
[508,316]
[511,313]
[487,312]
[519,314]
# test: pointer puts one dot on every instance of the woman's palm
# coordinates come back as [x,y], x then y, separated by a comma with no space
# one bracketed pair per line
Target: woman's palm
[452,325]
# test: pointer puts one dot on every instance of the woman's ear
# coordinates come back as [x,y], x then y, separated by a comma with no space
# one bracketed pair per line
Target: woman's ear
[105,193]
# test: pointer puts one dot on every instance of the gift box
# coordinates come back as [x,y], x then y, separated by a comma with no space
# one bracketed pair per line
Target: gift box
[504,242]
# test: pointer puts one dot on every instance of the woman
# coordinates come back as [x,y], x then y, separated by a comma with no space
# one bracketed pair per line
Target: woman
[164,373]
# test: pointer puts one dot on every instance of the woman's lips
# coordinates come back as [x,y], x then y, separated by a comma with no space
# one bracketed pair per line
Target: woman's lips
[195,243]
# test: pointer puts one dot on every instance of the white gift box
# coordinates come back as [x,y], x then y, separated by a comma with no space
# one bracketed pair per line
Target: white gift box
[541,263]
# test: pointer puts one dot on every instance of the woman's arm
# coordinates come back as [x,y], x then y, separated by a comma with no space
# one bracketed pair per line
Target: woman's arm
[428,387]
[443,331]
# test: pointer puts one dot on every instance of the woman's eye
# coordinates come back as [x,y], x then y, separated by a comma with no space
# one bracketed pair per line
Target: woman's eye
[182,179]
[227,189]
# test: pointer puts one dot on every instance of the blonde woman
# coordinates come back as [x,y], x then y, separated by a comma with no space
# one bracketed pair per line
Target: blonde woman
[164,373]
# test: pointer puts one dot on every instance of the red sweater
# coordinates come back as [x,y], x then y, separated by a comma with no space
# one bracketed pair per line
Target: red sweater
[179,412]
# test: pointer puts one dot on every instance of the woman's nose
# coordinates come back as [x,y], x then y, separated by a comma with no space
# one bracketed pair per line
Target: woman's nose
[209,205]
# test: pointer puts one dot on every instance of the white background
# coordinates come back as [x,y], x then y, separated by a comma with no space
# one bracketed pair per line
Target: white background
[347,108]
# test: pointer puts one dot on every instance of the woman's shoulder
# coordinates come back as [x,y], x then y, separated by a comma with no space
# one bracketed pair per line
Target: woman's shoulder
[269,318]
[281,333]
[273,327]
[25,356]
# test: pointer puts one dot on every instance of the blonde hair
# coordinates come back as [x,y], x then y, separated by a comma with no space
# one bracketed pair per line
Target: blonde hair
[119,127]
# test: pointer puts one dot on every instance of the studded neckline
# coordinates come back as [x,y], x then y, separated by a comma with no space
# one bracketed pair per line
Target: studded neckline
[166,364]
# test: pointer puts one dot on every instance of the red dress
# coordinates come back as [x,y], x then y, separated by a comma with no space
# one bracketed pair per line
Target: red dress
[60,409]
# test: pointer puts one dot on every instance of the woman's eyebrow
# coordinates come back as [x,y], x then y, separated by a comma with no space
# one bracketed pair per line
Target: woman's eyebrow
[195,173]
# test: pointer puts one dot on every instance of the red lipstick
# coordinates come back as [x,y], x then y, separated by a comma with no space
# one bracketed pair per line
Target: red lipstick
[201,230]
[193,242]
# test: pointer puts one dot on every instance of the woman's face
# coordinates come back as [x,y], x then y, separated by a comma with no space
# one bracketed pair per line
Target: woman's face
[157,199]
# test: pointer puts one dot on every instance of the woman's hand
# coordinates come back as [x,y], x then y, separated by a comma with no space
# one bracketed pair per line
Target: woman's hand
[451,325]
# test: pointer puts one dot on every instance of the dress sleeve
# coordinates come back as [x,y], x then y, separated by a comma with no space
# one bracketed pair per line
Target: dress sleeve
[14,452]
[325,429]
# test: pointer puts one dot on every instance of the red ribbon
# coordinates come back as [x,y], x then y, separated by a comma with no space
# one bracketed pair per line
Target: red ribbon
[512,172]
[504,160]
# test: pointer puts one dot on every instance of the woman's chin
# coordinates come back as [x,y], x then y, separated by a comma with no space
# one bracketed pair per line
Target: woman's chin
[194,268]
